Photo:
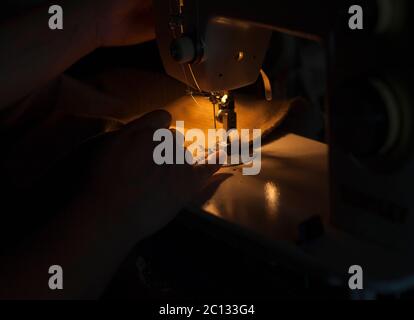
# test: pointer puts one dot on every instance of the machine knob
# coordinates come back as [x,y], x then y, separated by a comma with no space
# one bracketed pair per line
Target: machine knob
[183,50]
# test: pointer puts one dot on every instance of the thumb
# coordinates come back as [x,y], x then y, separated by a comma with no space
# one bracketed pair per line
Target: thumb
[152,121]
[157,119]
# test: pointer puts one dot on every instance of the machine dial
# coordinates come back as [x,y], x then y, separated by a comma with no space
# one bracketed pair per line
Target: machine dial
[183,50]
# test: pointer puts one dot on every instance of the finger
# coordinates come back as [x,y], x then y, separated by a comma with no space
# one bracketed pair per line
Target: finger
[213,163]
[218,157]
[154,120]
[204,171]
[213,184]
[143,29]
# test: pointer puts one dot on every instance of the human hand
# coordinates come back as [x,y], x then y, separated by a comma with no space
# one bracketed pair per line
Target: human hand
[124,22]
[138,196]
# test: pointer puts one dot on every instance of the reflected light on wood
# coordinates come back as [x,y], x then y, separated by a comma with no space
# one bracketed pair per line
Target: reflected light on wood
[252,112]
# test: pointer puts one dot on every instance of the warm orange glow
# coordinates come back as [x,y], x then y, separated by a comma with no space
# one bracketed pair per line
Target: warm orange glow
[272,197]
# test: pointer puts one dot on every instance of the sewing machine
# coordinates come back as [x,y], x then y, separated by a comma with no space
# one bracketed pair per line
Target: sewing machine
[215,47]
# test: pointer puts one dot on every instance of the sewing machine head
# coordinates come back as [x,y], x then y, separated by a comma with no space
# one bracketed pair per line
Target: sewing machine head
[209,53]
[218,46]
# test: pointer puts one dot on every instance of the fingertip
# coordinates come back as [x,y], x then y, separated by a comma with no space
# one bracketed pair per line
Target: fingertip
[157,119]
[162,114]
[207,170]
[218,157]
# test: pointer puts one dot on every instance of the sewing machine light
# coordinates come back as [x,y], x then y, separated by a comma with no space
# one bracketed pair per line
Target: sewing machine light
[224,98]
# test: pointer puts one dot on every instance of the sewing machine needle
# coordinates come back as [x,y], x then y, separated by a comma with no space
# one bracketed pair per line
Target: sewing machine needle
[214,116]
